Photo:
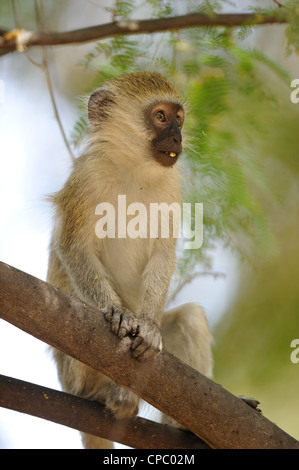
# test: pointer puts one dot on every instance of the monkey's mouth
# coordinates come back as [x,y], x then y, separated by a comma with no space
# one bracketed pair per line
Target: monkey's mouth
[166,157]
[171,154]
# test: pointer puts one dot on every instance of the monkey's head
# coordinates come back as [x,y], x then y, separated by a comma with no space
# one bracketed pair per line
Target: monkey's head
[138,118]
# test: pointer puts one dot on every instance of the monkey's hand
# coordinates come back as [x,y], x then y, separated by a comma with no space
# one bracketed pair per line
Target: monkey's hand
[148,340]
[121,319]
[146,336]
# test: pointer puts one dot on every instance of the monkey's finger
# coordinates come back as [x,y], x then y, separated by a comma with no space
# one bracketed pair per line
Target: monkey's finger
[134,329]
[136,342]
[135,346]
[108,312]
[144,351]
[147,347]
[121,321]
[125,325]
[116,320]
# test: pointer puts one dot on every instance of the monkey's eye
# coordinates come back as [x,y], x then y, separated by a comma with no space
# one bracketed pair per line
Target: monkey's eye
[160,115]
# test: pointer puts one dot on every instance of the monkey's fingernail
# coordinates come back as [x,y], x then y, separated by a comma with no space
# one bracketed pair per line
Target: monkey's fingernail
[107,316]
[122,332]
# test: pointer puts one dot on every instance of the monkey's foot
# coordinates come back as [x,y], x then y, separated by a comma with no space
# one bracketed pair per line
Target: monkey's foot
[121,402]
[148,341]
[121,319]
[251,402]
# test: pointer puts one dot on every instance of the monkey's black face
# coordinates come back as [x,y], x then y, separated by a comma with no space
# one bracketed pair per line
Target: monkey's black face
[166,120]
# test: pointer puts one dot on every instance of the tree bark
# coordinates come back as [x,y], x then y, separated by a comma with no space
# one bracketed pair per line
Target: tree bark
[204,407]
[10,41]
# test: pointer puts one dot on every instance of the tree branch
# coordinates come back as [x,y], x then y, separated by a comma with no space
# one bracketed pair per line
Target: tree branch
[204,407]
[15,40]
[91,417]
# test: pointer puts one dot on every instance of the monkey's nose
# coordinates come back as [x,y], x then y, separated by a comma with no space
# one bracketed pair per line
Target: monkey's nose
[177,140]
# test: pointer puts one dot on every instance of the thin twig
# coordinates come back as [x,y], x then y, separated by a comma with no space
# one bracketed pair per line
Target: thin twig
[278,3]
[17,22]
[40,20]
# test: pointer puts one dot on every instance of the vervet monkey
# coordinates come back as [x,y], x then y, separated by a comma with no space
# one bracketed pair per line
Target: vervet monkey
[134,143]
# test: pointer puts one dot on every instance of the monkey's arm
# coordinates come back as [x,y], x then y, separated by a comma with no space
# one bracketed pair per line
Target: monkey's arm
[155,283]
[87,276]
[81,273]
[73,240]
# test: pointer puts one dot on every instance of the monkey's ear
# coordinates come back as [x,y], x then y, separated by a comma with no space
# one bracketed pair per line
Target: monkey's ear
[99,104]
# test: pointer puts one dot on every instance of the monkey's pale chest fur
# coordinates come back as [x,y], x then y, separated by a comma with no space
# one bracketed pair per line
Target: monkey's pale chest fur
[126,255]
[125,260]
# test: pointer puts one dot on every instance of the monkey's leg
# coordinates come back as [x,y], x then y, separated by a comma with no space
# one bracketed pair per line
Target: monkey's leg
[83,381]
[185,334]
[121,402]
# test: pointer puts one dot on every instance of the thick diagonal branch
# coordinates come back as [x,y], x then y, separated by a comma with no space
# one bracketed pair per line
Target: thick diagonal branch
[9,42]
[204,407]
